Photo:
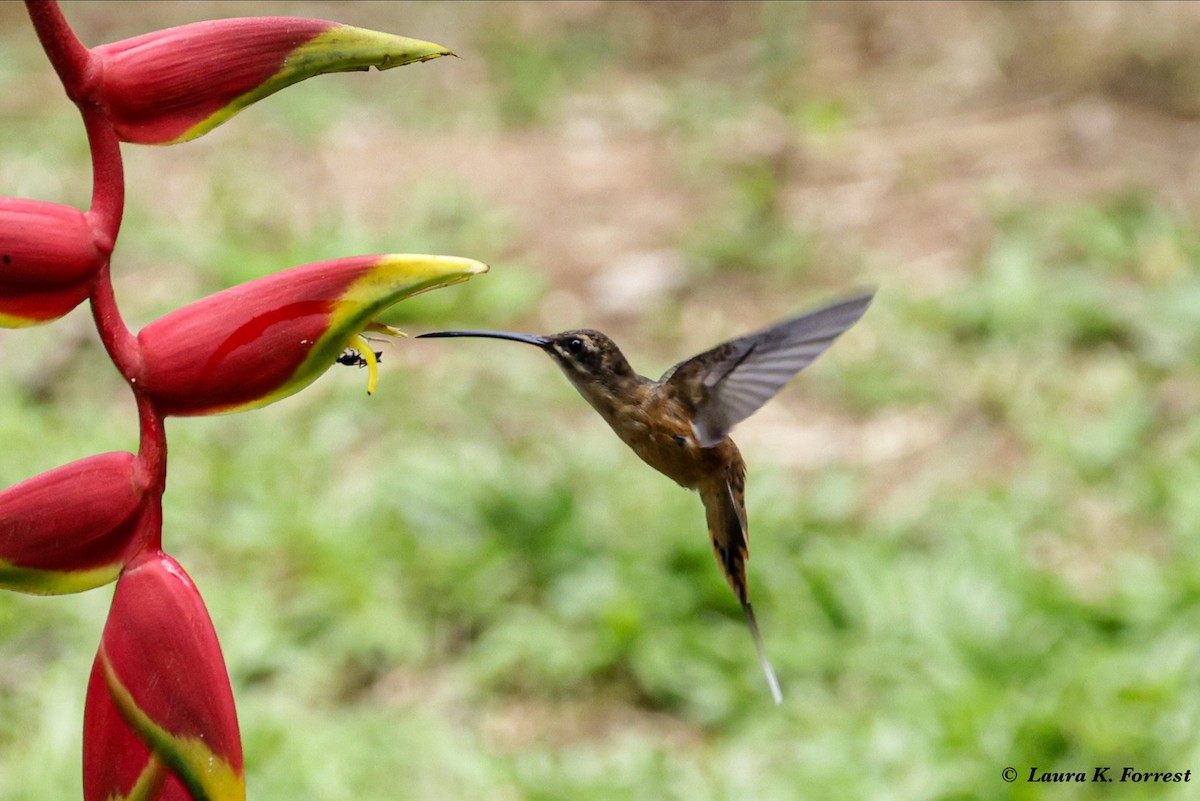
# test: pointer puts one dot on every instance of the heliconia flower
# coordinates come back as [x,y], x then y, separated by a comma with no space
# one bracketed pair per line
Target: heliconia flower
[159,721]
[257,342]
[72,528]
[48,257]
[177,84]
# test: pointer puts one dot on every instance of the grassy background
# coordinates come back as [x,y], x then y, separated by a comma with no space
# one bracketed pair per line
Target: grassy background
[974,521]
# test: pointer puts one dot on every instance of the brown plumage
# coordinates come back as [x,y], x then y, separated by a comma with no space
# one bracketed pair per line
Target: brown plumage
[680,424]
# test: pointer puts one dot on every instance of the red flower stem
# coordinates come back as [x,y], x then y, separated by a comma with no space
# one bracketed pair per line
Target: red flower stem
[71,60]
[75,67]
[108,176]
[118,340]
[149,533]
[152,449]
[108,204]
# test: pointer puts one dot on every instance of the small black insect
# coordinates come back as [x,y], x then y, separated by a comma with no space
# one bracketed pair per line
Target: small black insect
[352,358]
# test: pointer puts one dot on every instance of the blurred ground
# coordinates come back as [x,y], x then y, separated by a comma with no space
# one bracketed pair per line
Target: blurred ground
[973,519]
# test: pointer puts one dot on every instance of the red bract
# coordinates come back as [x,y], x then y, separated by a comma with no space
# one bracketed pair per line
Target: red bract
[269,338]
[173,85]
[160,721]
[72,528]
[48,258]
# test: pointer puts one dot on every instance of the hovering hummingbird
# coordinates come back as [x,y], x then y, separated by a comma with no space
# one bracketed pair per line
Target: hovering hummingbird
[680,424]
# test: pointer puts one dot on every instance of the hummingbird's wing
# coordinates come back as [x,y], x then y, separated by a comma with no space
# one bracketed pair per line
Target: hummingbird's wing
[733,380]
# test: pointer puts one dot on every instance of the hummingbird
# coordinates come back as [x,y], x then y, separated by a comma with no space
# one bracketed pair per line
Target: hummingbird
[680,424]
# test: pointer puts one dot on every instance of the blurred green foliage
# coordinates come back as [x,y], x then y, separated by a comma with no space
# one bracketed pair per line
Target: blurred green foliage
[749,230]
[532,76]
[973,521]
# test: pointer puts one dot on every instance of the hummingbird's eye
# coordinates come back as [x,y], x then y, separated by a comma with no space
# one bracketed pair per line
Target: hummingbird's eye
[575,345]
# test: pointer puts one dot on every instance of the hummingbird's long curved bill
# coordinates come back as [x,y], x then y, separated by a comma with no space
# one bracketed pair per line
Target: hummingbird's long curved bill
[529,339]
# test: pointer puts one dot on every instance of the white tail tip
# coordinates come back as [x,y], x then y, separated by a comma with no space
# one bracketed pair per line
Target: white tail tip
[768,671]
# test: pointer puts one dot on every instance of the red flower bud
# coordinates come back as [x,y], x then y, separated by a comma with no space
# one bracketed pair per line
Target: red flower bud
[159,722]
[266,339]
[48,257]
[72,528]
[177,84]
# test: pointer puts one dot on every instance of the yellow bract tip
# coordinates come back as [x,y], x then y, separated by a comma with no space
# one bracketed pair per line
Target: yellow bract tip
[364,350]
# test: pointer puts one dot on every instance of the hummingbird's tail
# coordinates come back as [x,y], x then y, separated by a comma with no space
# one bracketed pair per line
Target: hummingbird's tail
[725,510]
[768,671]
